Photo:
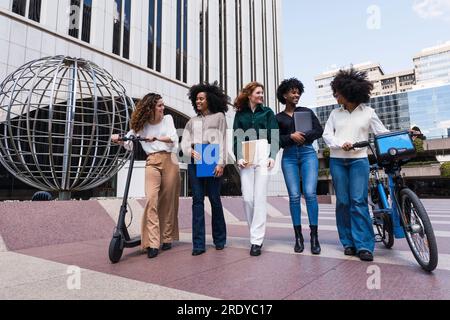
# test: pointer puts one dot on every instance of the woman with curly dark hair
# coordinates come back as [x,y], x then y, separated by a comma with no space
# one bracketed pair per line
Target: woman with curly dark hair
[349,167]
[208,127]
[299,160]
[162,173]
[255,124]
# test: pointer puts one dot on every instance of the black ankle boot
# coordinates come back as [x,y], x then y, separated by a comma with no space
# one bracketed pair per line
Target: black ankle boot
[315,245]
[299,246]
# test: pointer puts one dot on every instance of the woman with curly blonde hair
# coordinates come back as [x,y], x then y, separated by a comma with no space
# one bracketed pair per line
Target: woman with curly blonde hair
[162,173]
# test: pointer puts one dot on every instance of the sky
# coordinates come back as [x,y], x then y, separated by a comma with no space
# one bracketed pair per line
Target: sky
[319,35]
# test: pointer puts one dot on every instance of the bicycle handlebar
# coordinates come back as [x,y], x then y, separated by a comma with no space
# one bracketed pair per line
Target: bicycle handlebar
[361,144]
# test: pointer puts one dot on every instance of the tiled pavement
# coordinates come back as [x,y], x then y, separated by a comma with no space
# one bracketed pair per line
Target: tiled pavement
[40,241]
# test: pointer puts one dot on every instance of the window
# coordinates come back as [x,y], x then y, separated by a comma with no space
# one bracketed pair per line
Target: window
[154,37]
[117,39]
[204,44]
[19,7]
[77,19]
[151,35]
[239,56]
[223,43]
[159,36]
[181,56]
[122,21]
[28,8]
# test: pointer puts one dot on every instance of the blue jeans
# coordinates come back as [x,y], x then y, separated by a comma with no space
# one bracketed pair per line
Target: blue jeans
[354,224]
[301,161]
[212,188]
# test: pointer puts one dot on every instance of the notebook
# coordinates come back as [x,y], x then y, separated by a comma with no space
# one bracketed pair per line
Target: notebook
[210,158]
[303,121]
[248,151]
[255,151]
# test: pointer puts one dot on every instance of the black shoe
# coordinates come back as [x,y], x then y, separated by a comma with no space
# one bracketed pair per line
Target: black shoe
[365,255]
[255,250]
[299,241]
[350,251]
[152,253]
[315,245]
[196,252]
[220,247]
[166,246]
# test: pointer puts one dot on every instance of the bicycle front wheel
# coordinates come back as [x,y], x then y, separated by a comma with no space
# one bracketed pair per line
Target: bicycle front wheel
[418,230]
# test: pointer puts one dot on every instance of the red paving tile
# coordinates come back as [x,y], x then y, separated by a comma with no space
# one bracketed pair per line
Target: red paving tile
[349,281]
[79,234]
[28,224]
[256,278]
[235,206]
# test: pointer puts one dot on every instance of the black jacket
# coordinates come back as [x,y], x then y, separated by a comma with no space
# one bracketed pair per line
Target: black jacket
[287,127]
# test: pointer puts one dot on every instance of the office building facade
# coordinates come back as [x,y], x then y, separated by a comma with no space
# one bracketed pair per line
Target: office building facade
[162,46]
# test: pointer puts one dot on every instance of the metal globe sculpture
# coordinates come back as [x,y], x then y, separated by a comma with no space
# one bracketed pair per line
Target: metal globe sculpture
[56,118]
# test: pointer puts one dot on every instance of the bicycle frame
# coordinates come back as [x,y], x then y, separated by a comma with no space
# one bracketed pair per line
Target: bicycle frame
[395,184]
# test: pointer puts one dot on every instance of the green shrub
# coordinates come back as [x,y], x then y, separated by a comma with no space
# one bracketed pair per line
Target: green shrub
[445,170]
[418,143]
[324,172]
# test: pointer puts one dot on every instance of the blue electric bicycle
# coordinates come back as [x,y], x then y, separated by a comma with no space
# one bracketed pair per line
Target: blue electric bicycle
[403,215]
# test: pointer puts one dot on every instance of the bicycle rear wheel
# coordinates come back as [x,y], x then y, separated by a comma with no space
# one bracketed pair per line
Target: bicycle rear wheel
[418,229]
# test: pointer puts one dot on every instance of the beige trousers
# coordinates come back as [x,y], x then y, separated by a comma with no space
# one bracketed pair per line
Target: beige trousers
[162,188]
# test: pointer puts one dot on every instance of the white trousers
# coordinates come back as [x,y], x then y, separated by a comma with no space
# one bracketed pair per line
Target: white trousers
[254,191]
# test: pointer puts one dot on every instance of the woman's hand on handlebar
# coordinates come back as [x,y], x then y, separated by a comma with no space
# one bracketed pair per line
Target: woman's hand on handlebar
[150,139]
[115,138]
[347,146]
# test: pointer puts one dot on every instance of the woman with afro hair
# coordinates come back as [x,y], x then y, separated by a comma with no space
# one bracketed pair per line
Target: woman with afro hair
[210,104]
[299,160]
[350,167]
[162,172]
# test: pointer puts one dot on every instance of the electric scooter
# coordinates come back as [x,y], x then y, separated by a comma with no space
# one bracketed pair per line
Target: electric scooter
[121,239]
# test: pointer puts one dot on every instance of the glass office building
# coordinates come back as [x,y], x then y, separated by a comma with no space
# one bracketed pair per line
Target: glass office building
[429,109]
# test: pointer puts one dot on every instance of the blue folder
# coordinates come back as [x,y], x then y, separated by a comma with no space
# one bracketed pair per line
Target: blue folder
[210,158]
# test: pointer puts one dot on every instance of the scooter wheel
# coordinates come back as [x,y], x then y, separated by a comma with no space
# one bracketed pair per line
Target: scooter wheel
[115,249]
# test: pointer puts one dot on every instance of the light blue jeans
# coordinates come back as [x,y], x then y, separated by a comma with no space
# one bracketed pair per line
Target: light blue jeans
[354,224]
[301,161]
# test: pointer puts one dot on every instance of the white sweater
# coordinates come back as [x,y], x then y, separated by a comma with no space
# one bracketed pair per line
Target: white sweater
[166,128]
[343,126]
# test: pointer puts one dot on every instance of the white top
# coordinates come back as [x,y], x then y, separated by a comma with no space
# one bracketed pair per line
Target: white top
[209,129]
[343,126]
[166,128]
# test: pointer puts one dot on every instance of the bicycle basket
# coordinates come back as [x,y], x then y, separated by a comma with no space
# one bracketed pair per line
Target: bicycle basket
[394,147]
